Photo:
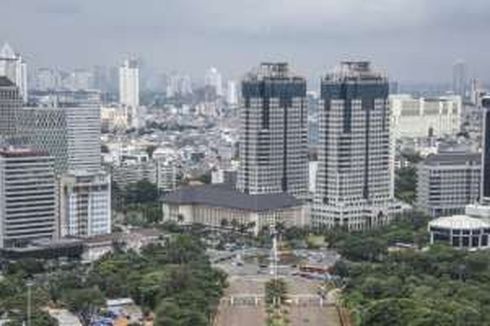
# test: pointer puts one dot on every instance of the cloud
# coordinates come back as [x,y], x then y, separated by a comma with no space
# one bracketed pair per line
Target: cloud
[416,39]
[59,8]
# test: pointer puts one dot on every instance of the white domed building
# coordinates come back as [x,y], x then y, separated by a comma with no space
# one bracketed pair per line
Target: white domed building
[460,231]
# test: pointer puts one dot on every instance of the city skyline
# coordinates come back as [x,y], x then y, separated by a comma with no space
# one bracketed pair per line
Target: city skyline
[313,35]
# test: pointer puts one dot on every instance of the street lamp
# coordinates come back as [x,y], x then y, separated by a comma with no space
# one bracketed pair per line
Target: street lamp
[29,285]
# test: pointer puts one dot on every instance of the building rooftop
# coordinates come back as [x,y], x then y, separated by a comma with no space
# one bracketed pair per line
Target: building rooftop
[5,82]
[464,222]
[452,158]
[226,197]
[21,152]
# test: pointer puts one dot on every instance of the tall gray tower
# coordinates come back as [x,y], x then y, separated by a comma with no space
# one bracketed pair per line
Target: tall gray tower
[355,170]
[273,133]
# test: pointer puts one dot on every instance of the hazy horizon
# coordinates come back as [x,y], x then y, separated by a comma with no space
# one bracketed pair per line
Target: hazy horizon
[413,41]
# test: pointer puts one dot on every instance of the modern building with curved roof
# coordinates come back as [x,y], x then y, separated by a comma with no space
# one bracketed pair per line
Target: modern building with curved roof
[460,231]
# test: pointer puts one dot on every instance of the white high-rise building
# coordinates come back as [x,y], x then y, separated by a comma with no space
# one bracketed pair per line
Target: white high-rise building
[14,67]
[231,93]
[421,117]
[85,204]
[355,154]
[273,132]
[129,91]
[213,79]
[27,197]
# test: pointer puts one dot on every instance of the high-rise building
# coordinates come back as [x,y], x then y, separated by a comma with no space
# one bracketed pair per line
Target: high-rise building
[85,204]
[14,68]
[70,134]
[129,90]
[273,132]
[460,78]
[213,79]
[231,93]
[355,154]
[10,105]
[28,197]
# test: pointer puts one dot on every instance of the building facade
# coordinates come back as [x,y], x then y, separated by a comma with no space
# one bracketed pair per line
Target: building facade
[219,206]
[10,106]
[460,232]
[27,197]
[85,204]
[70,134]
[424,117]
[273,132]
[355,173]
[129,90]
[447,182]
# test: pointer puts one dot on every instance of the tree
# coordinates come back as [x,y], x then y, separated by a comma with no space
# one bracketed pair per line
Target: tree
[85,303]
[406,184]
[224,223]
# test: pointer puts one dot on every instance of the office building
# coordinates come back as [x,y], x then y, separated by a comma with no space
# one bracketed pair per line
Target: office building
[85,204]
[10,105]
[70,134]
[129,91]
[355,174]
[134,167]
[14,68]
[460,79]
[273,132]
[221,207]
[213,79]
[424,117]
[28,197]
[447,182]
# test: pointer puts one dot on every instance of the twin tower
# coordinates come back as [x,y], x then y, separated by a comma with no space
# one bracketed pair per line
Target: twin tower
[355,176]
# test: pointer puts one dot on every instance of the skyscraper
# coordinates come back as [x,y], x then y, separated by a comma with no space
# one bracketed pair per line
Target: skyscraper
[355,170]
[129,90]
[10,105]
[273,134]
[460,78]
[70,134]
[213,79]
[14,68]
[28,197]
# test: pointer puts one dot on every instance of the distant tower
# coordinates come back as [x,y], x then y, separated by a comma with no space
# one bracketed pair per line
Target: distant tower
[14,68]
[129,90]
[273,132]
[213,79]
[460,78]
[355,159]
[231,94]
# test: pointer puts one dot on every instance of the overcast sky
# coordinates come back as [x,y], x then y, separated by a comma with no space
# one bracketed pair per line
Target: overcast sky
[413,40]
